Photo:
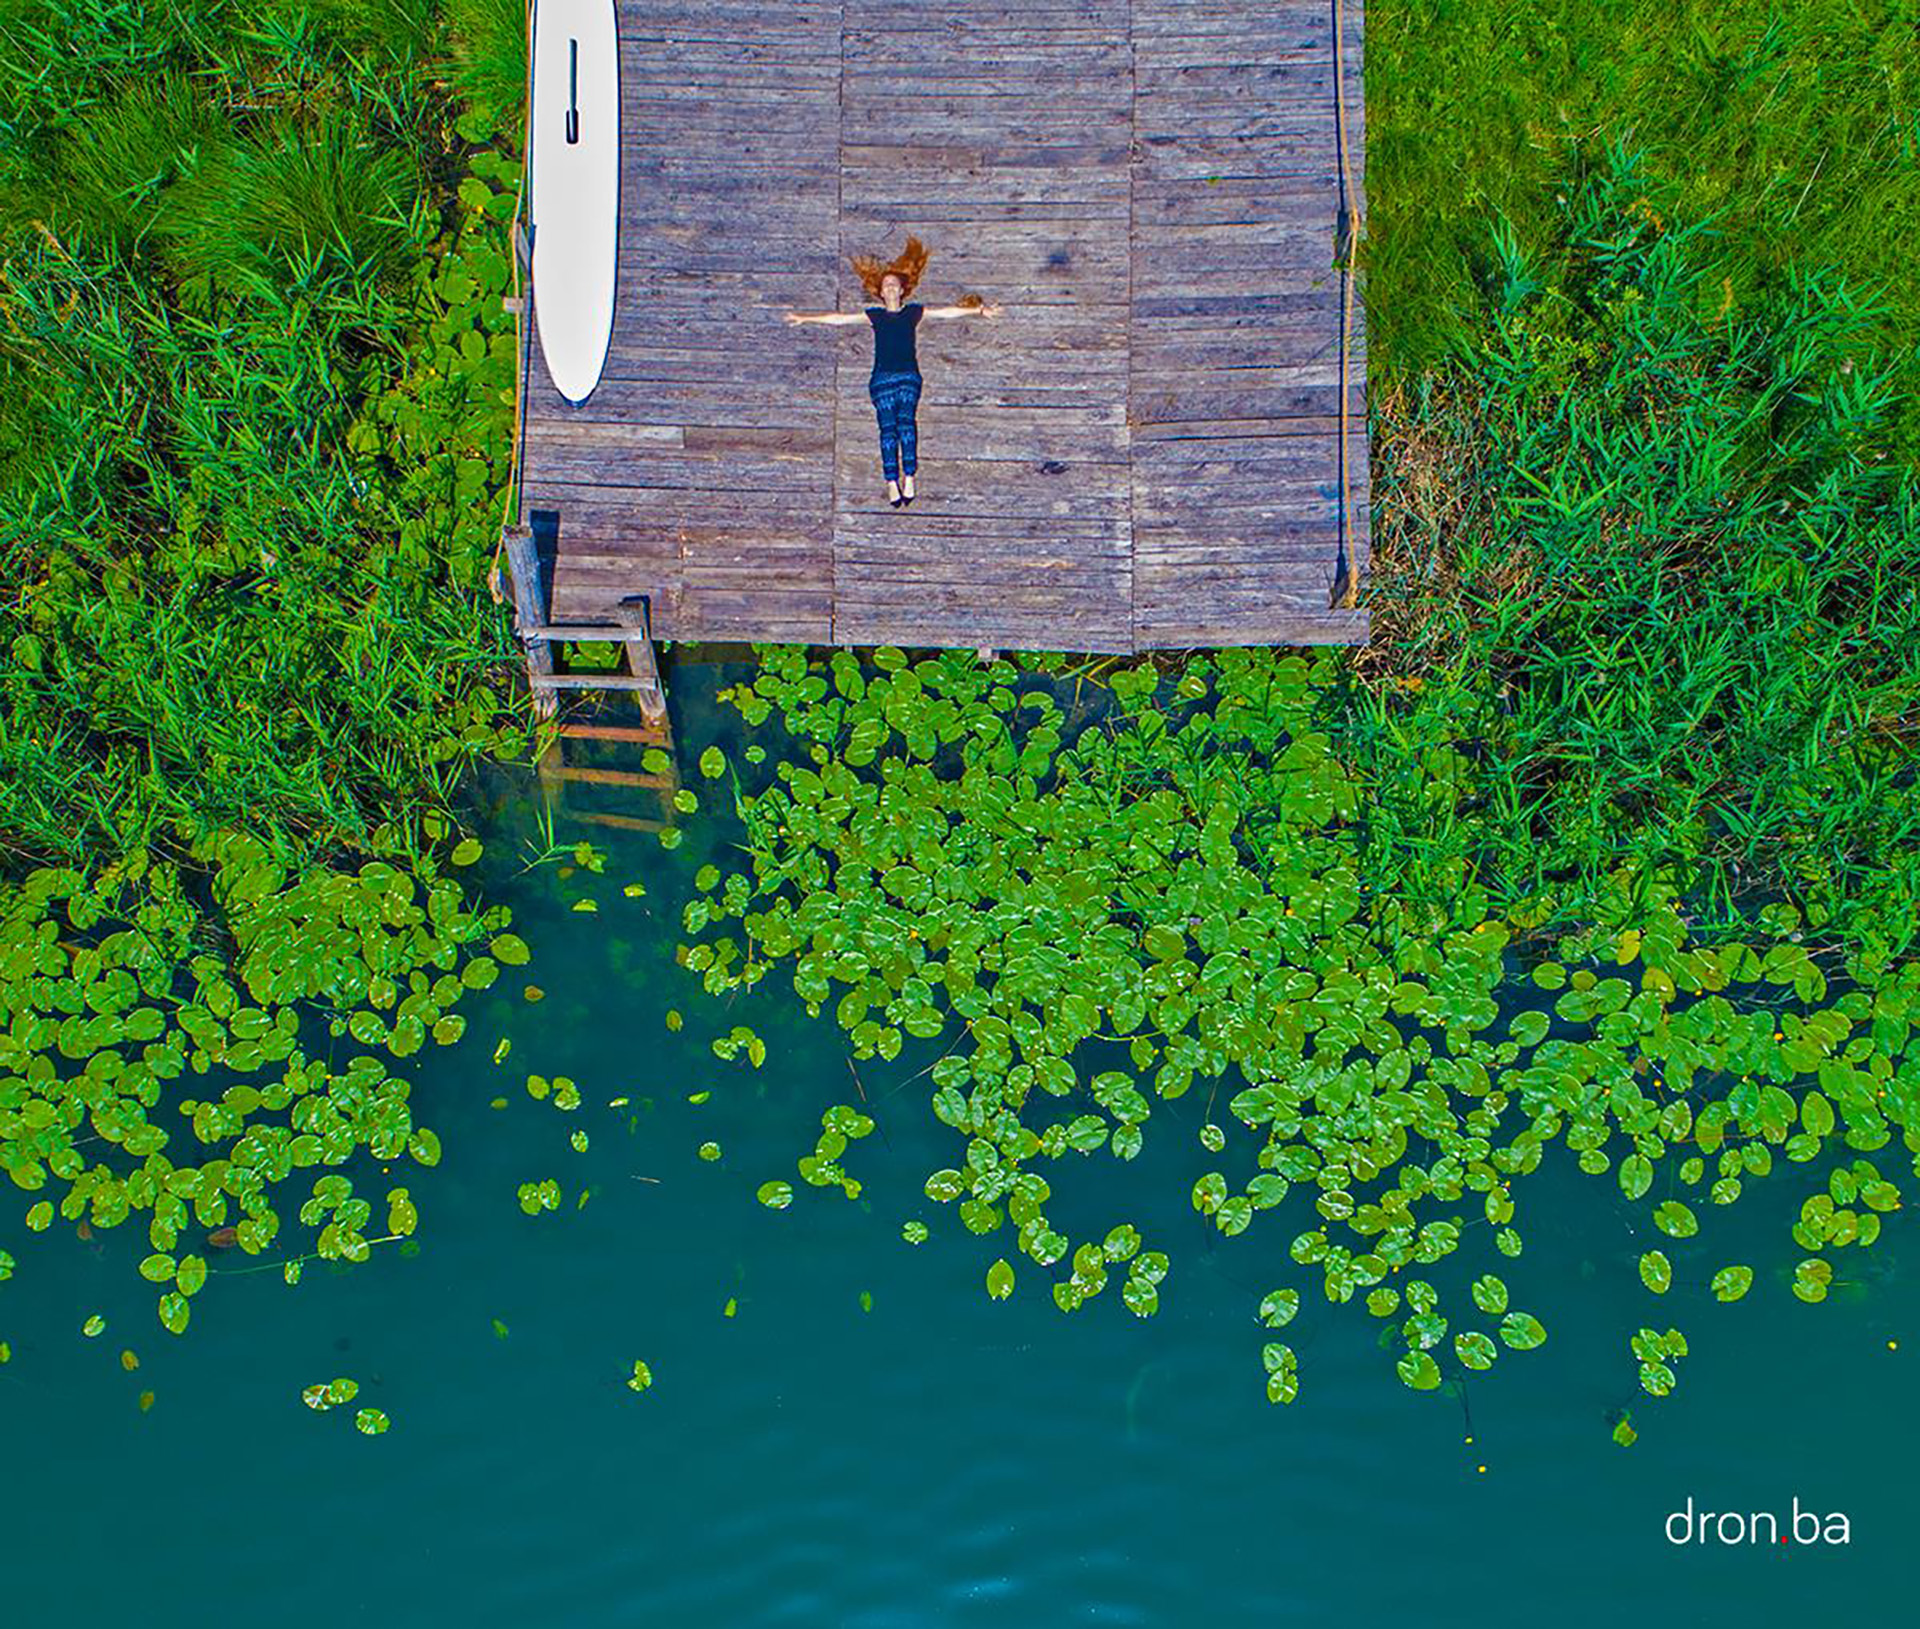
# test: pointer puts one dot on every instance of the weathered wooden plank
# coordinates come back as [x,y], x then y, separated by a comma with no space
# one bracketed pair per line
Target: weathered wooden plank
[901,536]
[1301,570]
[1168,373]
[1021,532]
[886,18]
[889,199]
[1251,304]
[799,480]
[656,72]
[1175,264]
[1194,159]
[1200,402]
[942,174]
[1172,614]
[545,433]
[1050,622]
[618,401]
[1185,463]
[1099,587]
[646,36]
[1004,152]
[1323,427]
[994,132]
[1304,205]
[1068,81]
[955,481]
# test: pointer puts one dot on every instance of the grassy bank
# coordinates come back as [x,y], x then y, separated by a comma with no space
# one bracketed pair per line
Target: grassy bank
[254,379]
[1795,127]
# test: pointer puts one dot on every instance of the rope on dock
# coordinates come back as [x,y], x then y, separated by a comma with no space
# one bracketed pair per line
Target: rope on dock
[1346,581]
[494,586]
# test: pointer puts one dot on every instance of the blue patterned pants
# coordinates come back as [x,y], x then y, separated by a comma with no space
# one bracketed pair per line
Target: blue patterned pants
[895,398]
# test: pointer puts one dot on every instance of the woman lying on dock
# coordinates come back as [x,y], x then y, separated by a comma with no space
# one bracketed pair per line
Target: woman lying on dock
[895,382]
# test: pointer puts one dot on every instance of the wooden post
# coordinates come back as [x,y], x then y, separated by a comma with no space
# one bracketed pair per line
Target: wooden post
[530,610]
[637,614]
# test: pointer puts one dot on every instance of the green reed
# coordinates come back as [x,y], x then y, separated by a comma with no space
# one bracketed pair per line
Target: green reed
[1656,568]
[1796,126]
[254,377]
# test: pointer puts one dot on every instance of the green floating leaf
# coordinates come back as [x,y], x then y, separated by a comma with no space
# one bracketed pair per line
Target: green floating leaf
[1730,1283]
[1419,1371]
[642,1376]
[1490,1295]
[466,851]
[1000,1280]
[1474,1349]
[1522,1331]
[1280,1308]
[1812,1278]
[371,1422]
[1636,1175]
[1656,1272]
[1675,1219]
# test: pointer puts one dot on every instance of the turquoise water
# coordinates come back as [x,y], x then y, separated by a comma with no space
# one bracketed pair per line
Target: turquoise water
[937,1459]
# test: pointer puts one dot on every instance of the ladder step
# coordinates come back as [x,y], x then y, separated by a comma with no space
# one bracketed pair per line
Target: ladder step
[597,632]
[588,681]
[620,822]
[617,777]
[646,737]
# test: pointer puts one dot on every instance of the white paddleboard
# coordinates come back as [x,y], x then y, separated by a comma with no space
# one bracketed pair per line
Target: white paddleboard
[574,145]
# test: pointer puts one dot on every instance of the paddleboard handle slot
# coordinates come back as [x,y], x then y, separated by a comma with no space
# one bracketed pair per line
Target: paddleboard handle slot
[573,93]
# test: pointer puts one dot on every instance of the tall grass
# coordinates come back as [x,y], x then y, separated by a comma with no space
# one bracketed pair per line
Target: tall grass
[234,421]
[1795,126]
[1656,571]
[487,41]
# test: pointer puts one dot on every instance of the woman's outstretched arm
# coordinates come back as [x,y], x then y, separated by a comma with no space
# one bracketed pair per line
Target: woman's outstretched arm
[833,319]
[963,311]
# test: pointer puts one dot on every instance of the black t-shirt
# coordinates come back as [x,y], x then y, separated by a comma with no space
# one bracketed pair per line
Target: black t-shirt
[893,338]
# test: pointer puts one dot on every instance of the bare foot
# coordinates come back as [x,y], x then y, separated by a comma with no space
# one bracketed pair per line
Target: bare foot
[906,489]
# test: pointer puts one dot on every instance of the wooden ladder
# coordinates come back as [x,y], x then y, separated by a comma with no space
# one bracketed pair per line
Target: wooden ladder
[633,632]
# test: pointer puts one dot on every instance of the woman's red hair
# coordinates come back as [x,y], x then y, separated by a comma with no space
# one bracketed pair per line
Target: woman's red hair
[907,265]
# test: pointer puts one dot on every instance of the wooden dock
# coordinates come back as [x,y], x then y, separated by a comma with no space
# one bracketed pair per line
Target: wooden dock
[1141,452]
